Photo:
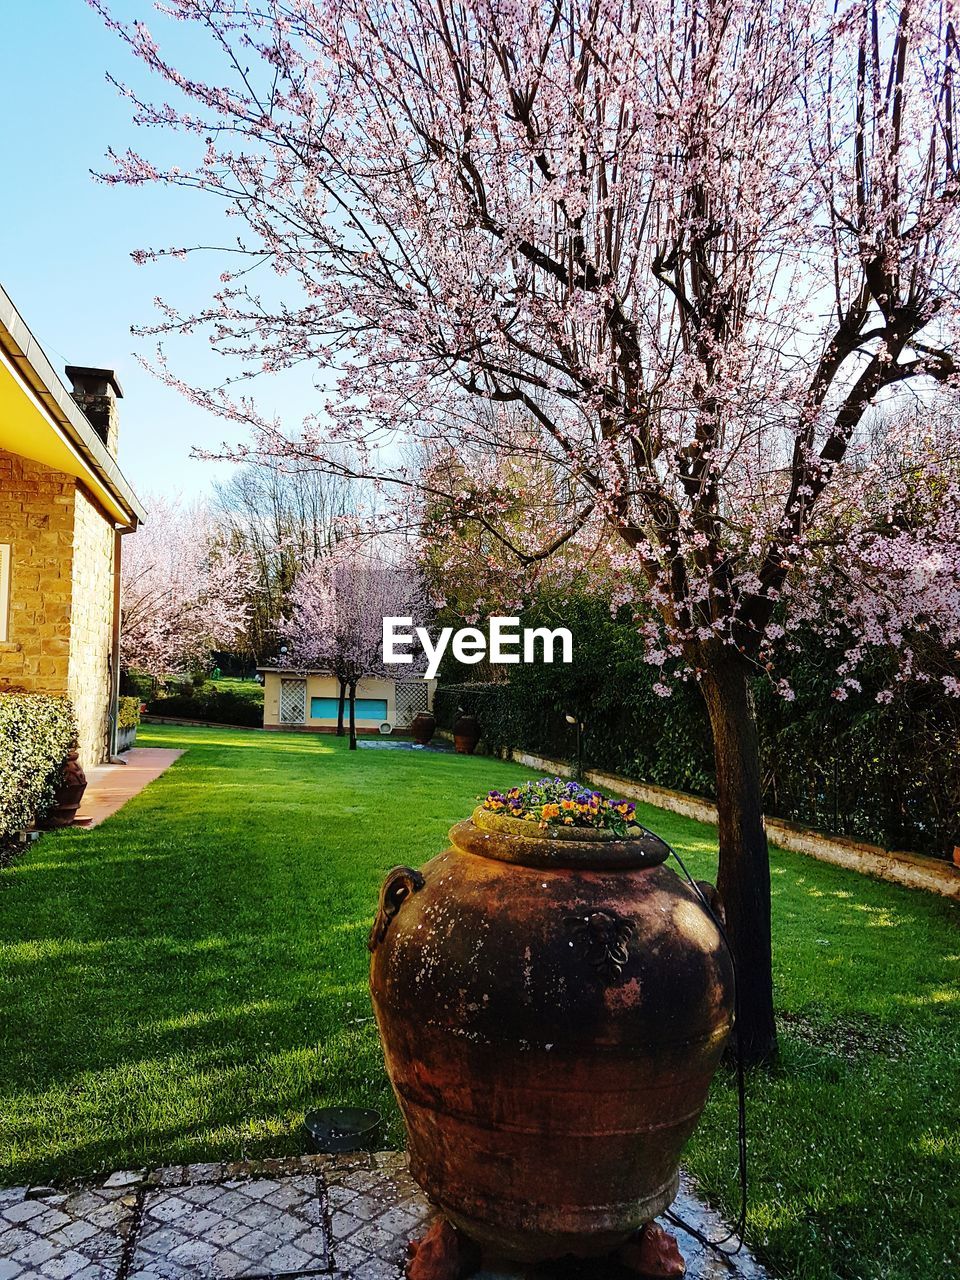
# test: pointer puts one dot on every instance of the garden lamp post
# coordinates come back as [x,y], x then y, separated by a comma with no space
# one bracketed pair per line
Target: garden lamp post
[579,723]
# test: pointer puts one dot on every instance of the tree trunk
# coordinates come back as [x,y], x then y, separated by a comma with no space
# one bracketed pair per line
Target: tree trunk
[744,876]
[343,696]
[353,717]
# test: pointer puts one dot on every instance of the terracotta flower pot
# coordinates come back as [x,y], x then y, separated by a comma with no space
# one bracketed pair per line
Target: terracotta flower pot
[552,1005]
[422,727]
[69,793]
[466,733]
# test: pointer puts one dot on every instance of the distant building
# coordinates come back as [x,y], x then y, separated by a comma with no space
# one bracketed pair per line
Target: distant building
[309,700]
[64,506]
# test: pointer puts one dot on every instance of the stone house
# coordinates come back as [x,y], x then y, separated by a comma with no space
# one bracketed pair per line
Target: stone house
[64,507]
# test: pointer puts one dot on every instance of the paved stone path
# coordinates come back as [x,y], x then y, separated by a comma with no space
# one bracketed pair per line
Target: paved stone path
[335,1216]
[110,786]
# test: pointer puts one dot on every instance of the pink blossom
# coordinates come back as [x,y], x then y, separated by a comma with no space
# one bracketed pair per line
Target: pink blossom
[681,321]
[337,606]
[185,590]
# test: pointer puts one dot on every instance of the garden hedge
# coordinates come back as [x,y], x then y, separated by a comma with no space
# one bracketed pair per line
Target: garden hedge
[216,706]
[185,697]
[36,732]
[884,772]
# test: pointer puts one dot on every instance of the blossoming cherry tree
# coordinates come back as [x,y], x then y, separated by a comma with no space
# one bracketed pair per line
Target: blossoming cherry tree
[698,247]
[338,603]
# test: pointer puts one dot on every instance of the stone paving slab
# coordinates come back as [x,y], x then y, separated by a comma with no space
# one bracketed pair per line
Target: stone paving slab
[240,1227]
[702,1262]
[375,1208]
[336,1216]
[75,1236]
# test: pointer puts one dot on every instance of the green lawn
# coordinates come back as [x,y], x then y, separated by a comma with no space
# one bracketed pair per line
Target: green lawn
[251,689]
[180,983]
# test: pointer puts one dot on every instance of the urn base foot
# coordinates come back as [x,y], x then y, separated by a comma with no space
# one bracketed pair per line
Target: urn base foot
[653,1254]
[444,1253]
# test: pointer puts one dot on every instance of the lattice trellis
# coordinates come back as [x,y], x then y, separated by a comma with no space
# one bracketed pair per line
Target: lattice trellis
[293,701]
[411,698]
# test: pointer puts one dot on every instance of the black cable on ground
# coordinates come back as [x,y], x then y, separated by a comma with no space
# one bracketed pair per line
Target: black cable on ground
[737,1231]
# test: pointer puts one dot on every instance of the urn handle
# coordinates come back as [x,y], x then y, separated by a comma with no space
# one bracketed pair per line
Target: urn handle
[712,896]
[400,883]
[604,938]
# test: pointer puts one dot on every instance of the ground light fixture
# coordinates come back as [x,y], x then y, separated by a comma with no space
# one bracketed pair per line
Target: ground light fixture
[335,1130]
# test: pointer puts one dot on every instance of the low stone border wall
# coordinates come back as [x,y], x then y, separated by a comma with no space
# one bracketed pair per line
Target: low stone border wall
[913,870]
[198,724]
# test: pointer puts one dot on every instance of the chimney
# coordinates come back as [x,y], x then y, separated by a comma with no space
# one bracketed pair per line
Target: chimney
[97,391]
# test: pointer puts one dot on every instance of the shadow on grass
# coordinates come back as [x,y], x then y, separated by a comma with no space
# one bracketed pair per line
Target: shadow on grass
[195,969]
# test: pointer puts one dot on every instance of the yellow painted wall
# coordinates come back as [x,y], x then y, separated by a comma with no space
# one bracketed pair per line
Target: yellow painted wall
[329,687]
[27,430]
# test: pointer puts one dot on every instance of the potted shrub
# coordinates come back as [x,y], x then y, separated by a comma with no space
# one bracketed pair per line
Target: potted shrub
[553,1002]
[68,791]
[128,719]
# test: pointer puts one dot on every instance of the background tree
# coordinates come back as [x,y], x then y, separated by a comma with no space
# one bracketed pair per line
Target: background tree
[185,591]
[478,517]
[283,518]
[695,243]
[338,603]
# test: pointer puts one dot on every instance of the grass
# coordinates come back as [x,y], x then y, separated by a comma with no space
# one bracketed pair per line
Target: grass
[183,981]
[251,689]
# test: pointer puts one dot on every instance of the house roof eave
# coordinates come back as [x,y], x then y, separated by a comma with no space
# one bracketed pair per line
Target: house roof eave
[27,362]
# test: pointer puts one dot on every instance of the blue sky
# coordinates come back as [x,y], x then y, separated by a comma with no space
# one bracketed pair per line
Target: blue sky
[65,240]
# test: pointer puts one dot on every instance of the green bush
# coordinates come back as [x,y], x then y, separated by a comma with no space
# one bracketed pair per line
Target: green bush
[137,684]
[128,713]
[883,771]
[886,772]
[213,705]
[36,732]
[661,740]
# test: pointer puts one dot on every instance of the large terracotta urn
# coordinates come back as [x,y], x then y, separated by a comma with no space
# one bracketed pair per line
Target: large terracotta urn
[69,792]
[422,727]
[466,734]
[552,1005]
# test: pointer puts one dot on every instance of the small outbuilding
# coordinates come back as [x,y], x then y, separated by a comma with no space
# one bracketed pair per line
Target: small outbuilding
[310,699]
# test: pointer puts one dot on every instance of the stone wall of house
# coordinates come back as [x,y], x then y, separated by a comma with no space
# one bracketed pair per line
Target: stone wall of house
[91,628]
[36,520]
[60,619]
